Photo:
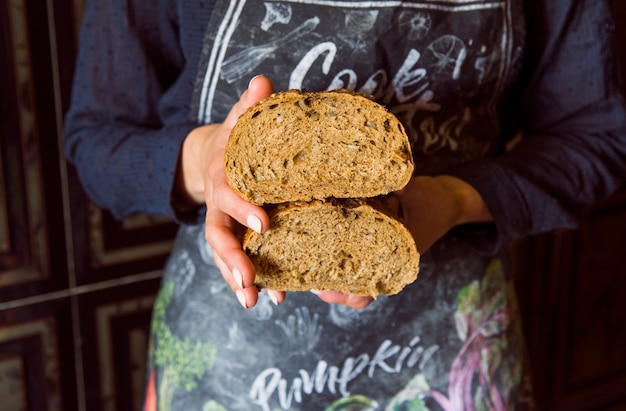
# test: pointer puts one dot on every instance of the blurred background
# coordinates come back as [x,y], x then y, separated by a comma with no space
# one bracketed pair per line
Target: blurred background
[77,287]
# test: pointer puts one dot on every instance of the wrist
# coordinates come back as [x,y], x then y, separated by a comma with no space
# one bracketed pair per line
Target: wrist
[468,203]
[189,181]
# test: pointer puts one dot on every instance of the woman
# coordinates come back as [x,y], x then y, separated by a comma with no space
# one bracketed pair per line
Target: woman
[516,128]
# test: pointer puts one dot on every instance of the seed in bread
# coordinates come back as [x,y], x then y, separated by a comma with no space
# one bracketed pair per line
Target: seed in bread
[301,146]
[355,247]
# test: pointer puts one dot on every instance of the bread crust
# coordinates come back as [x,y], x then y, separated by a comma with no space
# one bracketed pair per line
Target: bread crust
[322,164]
[299,146]
[357,247]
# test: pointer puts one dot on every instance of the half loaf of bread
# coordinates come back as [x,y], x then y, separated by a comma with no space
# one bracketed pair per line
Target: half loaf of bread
[356,247]
[300,146]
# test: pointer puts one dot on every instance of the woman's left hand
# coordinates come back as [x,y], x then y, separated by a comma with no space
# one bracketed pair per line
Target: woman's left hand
[432,206]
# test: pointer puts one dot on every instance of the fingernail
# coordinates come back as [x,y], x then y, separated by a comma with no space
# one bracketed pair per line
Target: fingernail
[316,292]
[252,79]
[238,278]
[273,296]
[254,223]
[241,296]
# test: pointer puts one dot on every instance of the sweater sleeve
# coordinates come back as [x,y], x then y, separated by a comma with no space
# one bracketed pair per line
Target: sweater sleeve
[120,133]
[573,121]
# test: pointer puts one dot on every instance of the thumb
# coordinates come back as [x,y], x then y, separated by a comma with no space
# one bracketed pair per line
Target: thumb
[259,88]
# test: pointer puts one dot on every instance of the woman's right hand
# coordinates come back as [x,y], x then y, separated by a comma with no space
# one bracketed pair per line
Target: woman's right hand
[202,179]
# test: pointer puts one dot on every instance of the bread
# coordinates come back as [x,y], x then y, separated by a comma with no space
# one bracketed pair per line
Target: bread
[300,146]
[322,164]
[355,247]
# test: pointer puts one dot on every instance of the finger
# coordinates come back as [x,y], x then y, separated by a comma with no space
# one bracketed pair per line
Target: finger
[220,193]
[247,214]
[248,296]
[222,236]
[351,300]
[277,297]
[259,88]
[219,233]
[233,279]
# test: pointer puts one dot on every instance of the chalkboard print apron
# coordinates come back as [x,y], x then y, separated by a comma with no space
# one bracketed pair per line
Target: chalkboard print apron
[449,341]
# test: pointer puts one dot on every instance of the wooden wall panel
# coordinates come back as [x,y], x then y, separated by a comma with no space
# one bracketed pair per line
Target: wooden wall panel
[572,286]
[110,249]
[12,381]
[592,332]
[76,286]
[115,332]
[30,262]
[37,358]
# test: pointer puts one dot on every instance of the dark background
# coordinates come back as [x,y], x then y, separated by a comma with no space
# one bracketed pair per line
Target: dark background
[77,287]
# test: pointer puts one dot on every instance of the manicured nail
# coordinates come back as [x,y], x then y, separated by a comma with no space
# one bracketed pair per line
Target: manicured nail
[241,296]
[254,223]
[273,296]
[252,79]
[238,278]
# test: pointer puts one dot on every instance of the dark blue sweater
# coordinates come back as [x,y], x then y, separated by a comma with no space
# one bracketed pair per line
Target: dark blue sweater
[137,68]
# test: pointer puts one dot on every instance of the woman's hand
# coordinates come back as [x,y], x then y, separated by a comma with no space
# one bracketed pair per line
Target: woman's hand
[351,300]
[431,206]
[203,179]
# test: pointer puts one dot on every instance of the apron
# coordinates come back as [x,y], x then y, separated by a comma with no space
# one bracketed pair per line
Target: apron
[451,340]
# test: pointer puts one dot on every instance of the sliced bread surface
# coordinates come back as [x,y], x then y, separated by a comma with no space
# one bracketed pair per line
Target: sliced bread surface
[355,247]
[301,146]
